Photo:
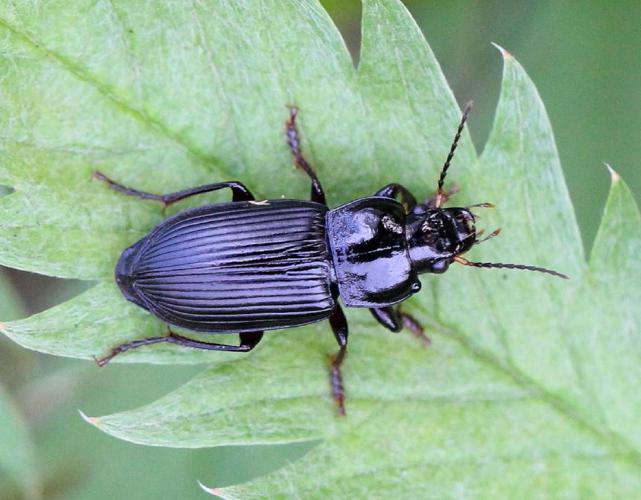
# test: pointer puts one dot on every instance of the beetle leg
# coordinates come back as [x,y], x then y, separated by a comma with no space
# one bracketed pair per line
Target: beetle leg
[248,341]
[127,346]
[339,326]
[415,327]
[393,190]
[294,145]
[395,320]
[432,201]
[388,317]
[239,191]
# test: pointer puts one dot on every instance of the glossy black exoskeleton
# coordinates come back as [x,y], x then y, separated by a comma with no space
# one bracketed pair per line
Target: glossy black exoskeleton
[248,266]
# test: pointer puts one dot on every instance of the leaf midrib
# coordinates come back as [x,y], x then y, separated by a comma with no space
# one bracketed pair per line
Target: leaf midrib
[616,443]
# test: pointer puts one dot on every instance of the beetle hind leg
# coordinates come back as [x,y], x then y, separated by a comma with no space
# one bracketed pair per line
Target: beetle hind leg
[395,320]
[248,340]
[317,195]
[338,323]
[239,191]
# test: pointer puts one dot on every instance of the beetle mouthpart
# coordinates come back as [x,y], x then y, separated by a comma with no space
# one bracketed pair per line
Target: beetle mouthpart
[494,233]
[486,204]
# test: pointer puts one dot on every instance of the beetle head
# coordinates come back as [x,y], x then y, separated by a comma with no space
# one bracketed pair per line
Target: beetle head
[437,236]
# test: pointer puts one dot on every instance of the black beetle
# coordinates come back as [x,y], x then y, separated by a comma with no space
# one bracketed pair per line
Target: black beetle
[248,266]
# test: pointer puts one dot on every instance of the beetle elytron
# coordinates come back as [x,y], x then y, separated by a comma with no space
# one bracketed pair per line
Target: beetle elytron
[246,266]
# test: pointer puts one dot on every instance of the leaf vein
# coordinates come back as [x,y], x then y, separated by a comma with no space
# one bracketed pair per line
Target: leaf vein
[81,74]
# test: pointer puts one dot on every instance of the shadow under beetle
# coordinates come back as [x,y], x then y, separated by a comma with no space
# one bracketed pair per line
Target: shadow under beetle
[248,266]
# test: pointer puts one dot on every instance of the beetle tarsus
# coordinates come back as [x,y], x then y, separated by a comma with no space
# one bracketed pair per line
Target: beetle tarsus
[394,319]
[103,361]
[248,340]
[317,193]
[338,323]
[134,344]
[414,326]
[121,188]
[336,381]
[238,189]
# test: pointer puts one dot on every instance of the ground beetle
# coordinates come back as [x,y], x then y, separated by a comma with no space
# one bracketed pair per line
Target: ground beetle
[247,266]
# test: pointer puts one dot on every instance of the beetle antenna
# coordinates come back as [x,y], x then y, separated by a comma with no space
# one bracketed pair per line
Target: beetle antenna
[501,265]
[440,194]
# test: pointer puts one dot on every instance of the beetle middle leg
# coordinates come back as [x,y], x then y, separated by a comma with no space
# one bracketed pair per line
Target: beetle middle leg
[239,191]
[248,340]
[318,195]
[395,320]
[338,323]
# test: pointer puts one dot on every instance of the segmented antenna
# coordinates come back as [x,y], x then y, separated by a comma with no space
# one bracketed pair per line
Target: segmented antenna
[457,137]
[501,265]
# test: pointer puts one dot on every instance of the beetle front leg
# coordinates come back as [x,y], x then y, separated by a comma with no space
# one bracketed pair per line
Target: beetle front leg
[395,320]
[317,195]
[432,201]
[239,191]
[338,323]
[248,340]
[393,190]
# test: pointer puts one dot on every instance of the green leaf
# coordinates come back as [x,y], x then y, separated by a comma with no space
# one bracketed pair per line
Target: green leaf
[522,392]
[609,344]
[16,451]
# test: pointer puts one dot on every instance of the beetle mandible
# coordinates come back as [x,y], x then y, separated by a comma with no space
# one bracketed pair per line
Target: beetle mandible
[246,266]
